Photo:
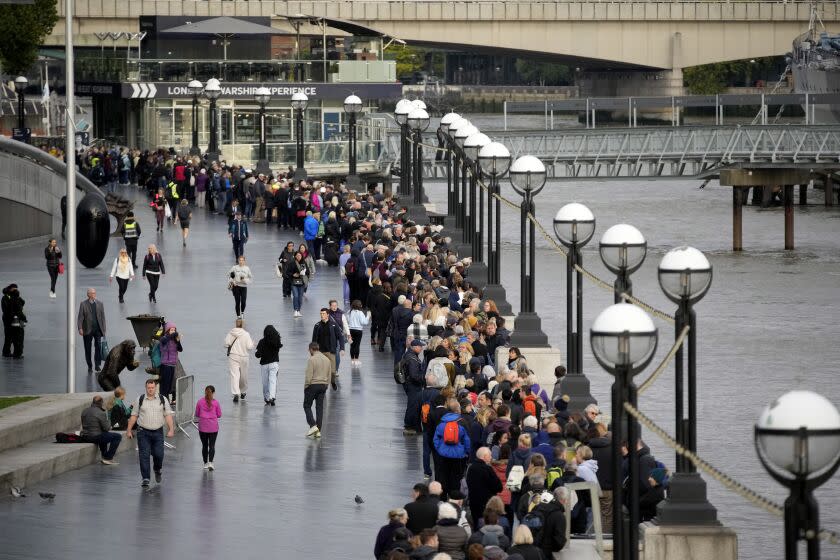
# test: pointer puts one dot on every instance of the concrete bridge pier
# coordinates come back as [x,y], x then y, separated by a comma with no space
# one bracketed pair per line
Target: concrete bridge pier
[741,180]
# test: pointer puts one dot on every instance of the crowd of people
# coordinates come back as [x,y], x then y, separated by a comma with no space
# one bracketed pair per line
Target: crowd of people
[498,448]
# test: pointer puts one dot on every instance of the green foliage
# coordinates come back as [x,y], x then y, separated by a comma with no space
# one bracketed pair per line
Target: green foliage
[543,73]
[22,30]
[412,59]
[711,79]
[6,402]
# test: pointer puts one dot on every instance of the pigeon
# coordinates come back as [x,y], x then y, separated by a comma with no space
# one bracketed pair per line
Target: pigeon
[359,499]
[17,492]
[47,495]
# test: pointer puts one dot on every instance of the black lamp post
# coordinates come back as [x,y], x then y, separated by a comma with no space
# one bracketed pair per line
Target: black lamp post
[494,159]
[527,176]
[20,85]
[401,111]
[623,339]
[299,102]
[456,170]
[212,91]
[685,275]
[797,439]
[623,249]
[418,122]
[478,274]
[574,225]
[195,88]
[467,180]
[262,97]
[352,107]
[445,142]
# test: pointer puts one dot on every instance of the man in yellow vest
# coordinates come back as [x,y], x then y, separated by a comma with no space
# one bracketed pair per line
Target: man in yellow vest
[172,197]
[130,232]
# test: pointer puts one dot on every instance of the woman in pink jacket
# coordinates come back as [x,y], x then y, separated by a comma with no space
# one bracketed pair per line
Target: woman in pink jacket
[208,411]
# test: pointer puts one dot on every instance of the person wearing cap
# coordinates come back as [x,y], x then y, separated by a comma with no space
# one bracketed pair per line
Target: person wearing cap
[238,233]
[412,366]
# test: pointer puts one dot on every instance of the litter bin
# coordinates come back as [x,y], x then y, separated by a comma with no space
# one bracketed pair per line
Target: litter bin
[145,327]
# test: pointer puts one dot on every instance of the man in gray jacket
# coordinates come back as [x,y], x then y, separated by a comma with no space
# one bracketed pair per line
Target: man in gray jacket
[319,372]
[96,429]
[91,325]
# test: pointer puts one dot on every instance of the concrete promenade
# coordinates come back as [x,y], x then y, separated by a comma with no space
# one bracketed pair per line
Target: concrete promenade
[273,490]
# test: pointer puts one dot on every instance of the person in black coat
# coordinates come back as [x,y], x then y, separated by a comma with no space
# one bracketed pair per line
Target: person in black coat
[13,321]
[482,483]
[268,351]
[281,202]
[397,519]
[379,304]
[286,264]
[423,511]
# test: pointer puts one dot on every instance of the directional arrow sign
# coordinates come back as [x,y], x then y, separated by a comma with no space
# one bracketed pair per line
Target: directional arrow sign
[144,91]
[135,91]
[152,90]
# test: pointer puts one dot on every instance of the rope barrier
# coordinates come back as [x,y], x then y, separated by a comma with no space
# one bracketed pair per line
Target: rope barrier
[661,368]
[727,481]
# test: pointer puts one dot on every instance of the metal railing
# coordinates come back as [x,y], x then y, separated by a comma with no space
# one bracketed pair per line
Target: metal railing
[673,105]
[661,152]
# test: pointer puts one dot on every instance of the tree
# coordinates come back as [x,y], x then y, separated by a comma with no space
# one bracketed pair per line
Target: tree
[22,30]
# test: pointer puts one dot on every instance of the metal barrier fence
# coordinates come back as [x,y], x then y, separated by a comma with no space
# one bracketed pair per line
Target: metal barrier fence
[184,402]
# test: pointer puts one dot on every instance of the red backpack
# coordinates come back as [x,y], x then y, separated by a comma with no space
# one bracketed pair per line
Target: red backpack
[530,407]
[450,433]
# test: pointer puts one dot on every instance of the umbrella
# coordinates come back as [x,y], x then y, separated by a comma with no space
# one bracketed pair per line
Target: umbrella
[224,27]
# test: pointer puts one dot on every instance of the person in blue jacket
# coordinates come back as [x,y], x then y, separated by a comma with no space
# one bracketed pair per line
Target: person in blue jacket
[453,456]
[310,228]
[238,233]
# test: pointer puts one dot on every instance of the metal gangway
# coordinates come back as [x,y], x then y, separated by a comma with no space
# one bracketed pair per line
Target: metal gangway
[656,152]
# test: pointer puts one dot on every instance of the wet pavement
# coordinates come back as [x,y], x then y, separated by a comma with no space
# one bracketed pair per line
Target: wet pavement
[273,490]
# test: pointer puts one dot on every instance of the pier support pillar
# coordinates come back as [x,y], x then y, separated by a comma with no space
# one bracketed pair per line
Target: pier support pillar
[803,194]
[766,196]
[757,194]
[829,191]
[788,194]
[737,219]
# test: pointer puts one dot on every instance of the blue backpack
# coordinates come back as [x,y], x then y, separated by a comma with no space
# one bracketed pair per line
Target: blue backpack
[154,354]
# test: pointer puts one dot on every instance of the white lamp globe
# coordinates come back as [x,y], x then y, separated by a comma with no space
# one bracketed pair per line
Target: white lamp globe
[527,173]
[623,335]
[623,248]
[574,224]
[685,274]
[494,159]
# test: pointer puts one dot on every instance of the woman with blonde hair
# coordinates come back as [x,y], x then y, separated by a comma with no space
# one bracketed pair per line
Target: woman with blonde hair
[397,518]
[523,544]
[123,270]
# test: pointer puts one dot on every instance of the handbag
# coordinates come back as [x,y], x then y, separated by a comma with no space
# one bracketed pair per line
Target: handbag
[103,346]
[278,271]
[230,285]
[167,211]
[60,267]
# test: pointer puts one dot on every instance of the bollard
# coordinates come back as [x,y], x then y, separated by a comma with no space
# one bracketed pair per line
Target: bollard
[737,217]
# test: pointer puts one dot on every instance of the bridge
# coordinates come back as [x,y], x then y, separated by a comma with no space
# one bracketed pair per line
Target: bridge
[664,35]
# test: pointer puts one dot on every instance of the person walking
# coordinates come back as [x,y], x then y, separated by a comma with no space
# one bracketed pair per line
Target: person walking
[238,233]
[97,429]
[158,205]
[414,380]
[53,256]
[327,334]
[184,217]
[299,275]
[268,349]
[173,199]
[238,343]
[13,322]
[208,411]
[150,412]
[91,325]
[319,373]
[284,267]
[357,320]
[124,272]
[170,345]
[130,231]
[240,277]
[152,270]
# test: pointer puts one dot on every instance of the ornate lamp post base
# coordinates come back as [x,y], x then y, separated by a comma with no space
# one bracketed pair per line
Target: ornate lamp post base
[527,331]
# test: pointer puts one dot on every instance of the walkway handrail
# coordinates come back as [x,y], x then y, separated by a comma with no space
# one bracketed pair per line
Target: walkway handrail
[40,157]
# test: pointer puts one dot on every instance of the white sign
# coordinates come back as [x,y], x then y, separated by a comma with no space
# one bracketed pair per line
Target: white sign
[143,91]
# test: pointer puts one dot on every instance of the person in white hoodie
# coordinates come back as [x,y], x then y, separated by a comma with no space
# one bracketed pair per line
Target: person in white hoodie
[123,270]
[357,320]
[239,344]
[238,279]
[587,466]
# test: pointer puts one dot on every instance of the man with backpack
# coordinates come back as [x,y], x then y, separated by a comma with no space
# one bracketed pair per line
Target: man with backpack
[452,443]
[150,412]
[544,516]
[411,367]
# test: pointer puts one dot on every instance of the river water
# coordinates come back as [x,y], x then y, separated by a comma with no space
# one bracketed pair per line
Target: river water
[767,325]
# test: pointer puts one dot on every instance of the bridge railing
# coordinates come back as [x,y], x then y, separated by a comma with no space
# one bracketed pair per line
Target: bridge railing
[631,106]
